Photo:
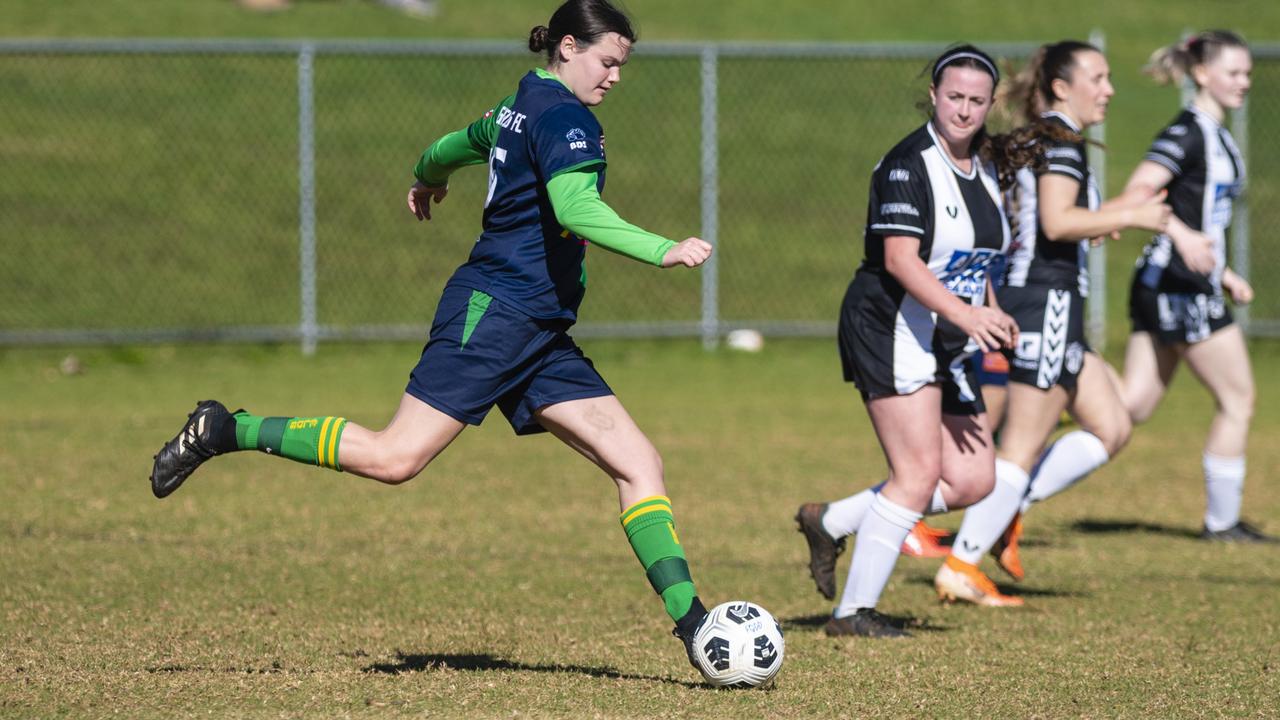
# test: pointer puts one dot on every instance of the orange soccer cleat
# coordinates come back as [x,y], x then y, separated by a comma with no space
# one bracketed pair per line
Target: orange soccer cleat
[958,580]
[1005,551]
[925,541]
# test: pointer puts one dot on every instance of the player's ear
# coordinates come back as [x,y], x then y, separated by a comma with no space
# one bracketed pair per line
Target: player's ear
[567,48]
[933,94]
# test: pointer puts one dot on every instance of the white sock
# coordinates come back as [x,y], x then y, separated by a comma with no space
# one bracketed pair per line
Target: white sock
[986,520]
[1065,463]
[938,505]
[1224,484]
[844,516]
[875,553]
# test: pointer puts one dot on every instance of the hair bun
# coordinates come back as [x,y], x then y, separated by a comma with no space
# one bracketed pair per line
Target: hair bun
[539,36]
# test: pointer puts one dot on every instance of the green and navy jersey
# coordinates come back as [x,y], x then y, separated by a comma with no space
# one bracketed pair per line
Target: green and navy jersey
[523,256]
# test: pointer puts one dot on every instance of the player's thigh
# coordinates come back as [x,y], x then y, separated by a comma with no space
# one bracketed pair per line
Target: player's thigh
[1221,362]
[1030,416]
[968,457]
[1096,403]
[909,428]
[1149,367]
[602,430]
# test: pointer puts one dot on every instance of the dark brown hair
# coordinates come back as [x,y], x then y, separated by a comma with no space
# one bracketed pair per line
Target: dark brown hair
[1172,63]
[586,20]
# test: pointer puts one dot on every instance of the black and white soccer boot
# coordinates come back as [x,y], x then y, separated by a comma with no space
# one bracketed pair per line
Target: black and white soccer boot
[1241,532]
[204,435]
[864,622]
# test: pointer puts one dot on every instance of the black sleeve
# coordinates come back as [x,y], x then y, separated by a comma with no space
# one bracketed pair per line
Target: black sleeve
[1179,147]
[1066,158]
[899,199]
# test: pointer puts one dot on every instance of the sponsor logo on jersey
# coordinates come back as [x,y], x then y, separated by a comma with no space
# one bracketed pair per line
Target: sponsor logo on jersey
[511,120]
[575,134]
[899,175]
[1170,148]
[1063,152]
[966,272]
[899,209]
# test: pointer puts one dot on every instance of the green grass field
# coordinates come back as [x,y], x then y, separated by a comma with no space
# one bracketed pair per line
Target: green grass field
[499,583]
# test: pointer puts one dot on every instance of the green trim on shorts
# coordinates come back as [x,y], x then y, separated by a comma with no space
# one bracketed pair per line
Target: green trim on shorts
[476,307]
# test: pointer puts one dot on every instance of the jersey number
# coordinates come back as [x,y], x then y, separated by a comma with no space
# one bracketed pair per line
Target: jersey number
[496,155]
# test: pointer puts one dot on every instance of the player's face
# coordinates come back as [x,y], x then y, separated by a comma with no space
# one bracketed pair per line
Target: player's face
[1089,93]
[590,70]
[961,100]
[1227,77]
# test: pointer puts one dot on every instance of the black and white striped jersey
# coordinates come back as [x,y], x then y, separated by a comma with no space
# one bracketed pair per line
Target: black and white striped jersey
[1034,259]
[916,191]
[1208,176]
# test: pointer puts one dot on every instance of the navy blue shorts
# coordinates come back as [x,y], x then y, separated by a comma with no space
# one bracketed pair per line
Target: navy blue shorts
[483,352]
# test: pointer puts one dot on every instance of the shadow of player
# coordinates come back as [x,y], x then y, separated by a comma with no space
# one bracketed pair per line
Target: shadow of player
[420,662]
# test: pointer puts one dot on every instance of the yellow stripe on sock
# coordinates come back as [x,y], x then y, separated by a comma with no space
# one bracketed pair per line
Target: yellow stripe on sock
[631,513]
[324,428]
[333,442]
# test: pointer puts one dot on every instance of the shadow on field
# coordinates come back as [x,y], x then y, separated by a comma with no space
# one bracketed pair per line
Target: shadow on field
[1102,527]
[431,661]
[902,622]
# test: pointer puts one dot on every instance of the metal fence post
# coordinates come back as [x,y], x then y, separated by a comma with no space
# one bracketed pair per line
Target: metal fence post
[1240,247]
[308,328]
[710,199]
[1097,323]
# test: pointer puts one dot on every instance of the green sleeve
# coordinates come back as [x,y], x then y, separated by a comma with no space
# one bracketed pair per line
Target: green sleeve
[580,210]
[460,148]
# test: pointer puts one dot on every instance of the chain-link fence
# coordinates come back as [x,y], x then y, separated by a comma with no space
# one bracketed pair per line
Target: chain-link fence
[175,190]
[1253,253]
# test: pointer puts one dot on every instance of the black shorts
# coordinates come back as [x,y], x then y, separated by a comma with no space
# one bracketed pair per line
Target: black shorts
[886,353]
[1175,318]
[1051,342]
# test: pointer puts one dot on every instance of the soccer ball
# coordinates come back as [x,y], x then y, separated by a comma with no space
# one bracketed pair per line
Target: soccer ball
[739,644]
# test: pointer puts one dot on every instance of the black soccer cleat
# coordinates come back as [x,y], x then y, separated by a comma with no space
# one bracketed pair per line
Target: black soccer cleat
[198,441]
[1241,532]
[823,549]
[865,622]
[687,629]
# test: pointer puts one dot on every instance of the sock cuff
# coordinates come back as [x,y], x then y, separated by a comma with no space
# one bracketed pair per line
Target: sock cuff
[894,513]
[327,442]
[650,511]
[1219,466]
[1085,441]
[1012,475]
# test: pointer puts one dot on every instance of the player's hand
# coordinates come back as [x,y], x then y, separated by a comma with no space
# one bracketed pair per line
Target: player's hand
[420,197]
[1196,250]
[1153,214]
[690,252]
[990,327]
[1238,288]
[1113,236]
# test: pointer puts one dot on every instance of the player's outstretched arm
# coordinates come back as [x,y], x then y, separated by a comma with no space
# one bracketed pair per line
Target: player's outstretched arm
[580,210]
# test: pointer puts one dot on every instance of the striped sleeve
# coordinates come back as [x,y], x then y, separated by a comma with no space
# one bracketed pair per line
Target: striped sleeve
[1177,147]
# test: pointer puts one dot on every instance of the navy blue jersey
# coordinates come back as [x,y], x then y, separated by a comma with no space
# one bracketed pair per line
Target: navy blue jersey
[523,256]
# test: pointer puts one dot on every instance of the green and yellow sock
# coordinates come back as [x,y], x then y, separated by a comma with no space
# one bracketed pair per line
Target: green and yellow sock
[313,441]
[651,530]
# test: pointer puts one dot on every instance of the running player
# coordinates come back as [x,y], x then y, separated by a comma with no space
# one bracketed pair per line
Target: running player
[1065,88]
[918,306]
[500,334]
[1177,302]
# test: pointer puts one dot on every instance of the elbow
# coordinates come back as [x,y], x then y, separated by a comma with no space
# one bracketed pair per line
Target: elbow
[1056,231]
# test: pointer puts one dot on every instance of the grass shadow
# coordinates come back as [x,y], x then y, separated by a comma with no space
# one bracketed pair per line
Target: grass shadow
[902,622]
[1104,527]
[420,662]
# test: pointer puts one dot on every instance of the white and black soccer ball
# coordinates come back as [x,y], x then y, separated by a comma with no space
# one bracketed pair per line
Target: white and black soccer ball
[738,645]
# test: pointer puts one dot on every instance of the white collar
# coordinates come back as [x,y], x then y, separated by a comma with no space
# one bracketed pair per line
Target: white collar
[1054,113]
[942,150]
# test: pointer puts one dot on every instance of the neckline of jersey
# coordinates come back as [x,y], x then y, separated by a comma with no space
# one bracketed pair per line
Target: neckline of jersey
[946,157]
[1063,117]
[1204,113]
[548,75]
